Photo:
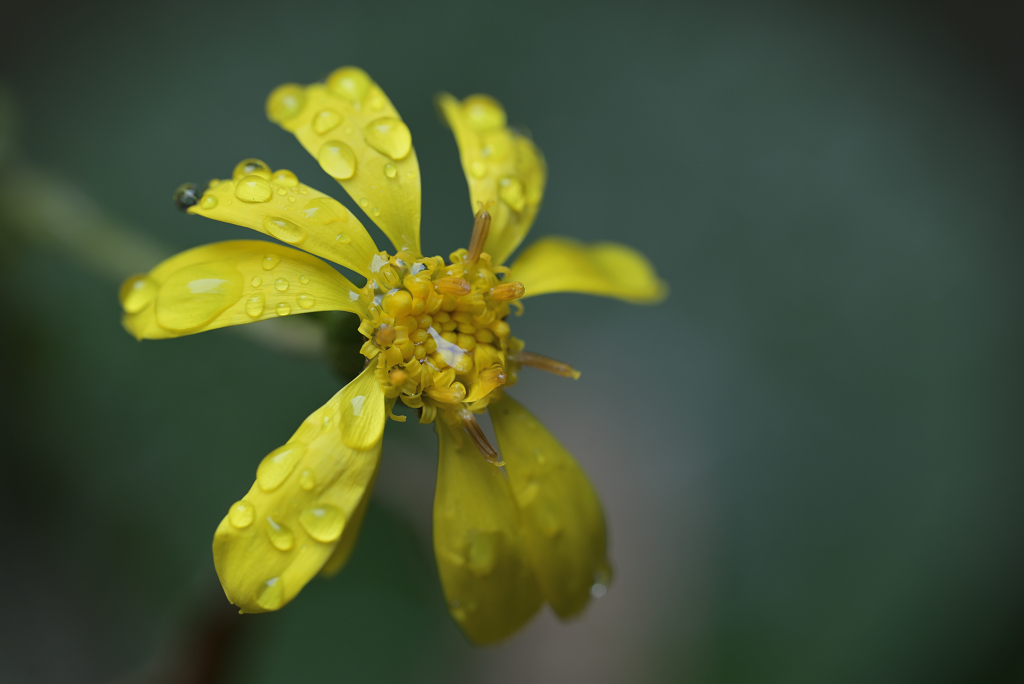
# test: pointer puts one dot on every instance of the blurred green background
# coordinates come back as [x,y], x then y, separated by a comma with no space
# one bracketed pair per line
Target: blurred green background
[809,455]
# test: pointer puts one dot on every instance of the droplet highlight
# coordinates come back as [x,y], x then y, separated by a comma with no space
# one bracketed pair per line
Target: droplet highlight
[389,136]
[281,284]
[284,230]
[326,121]
[136,293]
[283,309]
[241,514]
[270,261]
[278,465]
[305,301]
[323,522]
[337,159]
[254,305]
[280,536]
[253,189]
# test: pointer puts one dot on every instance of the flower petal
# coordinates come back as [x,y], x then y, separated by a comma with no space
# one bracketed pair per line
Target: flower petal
[293,213]
[231,283]
[505,170]
[558,264]
[355,133]
[307,495]
[478,540]
[562,519]
[349,536]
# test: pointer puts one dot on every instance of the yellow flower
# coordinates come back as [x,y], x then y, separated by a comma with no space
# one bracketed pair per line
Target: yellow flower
[437,339]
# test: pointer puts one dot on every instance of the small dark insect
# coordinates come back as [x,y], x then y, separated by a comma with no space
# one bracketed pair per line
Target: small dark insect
[187,196]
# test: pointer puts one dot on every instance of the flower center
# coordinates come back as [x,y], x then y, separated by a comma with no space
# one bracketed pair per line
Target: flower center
[437,330]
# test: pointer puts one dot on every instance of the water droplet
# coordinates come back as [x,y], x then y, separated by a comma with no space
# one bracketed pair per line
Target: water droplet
[241,514]
[256,281]
[283,309]
[208,202]
[390,171]
[482,552]
[304,279]
[195,295]
[282,191]
[280,536]
[270,261]
[291,198]
[251,167]
[602,580]
[337,159]
[136,293]
[285,178]
[278,465]
[270,594]
[478,168]
[376,211]
[323,522]
[363,202]
[324,210]
[253,189]
[510,190]
[389,136]
[254,305]
[284,230]
[325,121]
[307,480]
[350,83]
[285,102]
[342,238]
[281,284]
[483,112]
[186,196]
[306,301]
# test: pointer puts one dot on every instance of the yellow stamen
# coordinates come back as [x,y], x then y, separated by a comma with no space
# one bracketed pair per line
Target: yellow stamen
[476,433]
[397,377]
[508,291]
[385,336]
[546,364]
[481,227]
[452,285]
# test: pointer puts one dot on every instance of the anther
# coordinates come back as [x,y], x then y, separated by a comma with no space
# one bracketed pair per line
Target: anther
[453,285]
[508,291]
[384,336]
[546,364]
[481,227]
[476,433]
[397,377]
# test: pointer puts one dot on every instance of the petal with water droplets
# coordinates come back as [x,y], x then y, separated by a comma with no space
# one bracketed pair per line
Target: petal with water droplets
[478,540]
[562,519]
[297,530]
[231,283]
[505,170]
[608,269]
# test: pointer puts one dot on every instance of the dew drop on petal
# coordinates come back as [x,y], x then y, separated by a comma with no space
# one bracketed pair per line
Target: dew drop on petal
[306,301]
[478,168]
[256,281]
[303,279]
[337,159]
[283,309]
[482,552]
[285,102]
[389,136]
[209,202]
[284,230]
[254,305]
[251,167]
[137,293]
[323,522]
[281,284]
[483,112]
[280,536]
[278,465]
[253,189]
[390,171]
[325,121]
[342,238]
[602,580]
[270,594]
[241,514]
[285,178]
[195,295]
[510,190]
[350,83]
[270,261]
[307,480]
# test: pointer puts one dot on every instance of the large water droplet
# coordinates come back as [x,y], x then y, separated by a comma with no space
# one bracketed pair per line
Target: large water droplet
[251,167]
[208,203]
[510,190]
[278,465]
[270,594]
[350,83]
[285,102]
[256,281]
[326,121]
[483,112]
[187,195]
[324,210]
[270,261]
[389,136]
[281,284]
[253,189]
[390,171]
[304,279]
[482,552]
[337,159]
[283,309]
[195,295]
[323,522]
[306,301]
[136,293]
[284,230]
[280,536]
[342,238]
[241,514]
[307,480]
[285,178]
[254,305]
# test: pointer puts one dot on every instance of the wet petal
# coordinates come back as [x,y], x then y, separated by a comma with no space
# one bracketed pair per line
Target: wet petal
[505,170]
[487,579]
[277,205]
[231,283]
[304,503]
[355,133]
[562,519]
[558,264]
